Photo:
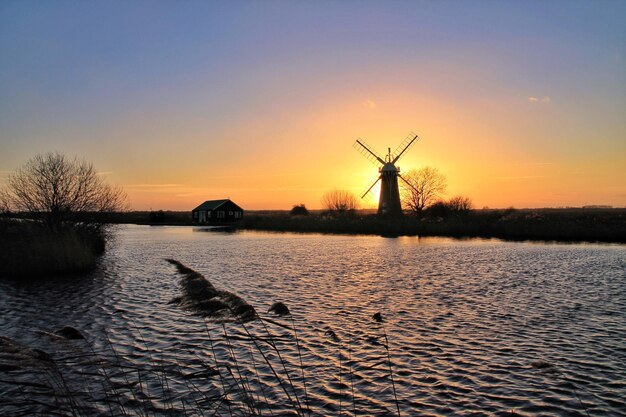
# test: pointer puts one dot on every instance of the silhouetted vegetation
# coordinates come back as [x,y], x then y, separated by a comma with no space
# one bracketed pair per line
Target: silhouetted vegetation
[157,216]
[59,191]
[28,248]
[571,224]
[299,210]
[340,202]
[201,297]
[425,186]
[56,227]
[602,225]
[160,217]
[456,206]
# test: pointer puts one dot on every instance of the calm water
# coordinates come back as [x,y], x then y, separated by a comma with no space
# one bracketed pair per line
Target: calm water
[474,327]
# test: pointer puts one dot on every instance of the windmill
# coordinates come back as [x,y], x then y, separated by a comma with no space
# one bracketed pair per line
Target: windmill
[388,174]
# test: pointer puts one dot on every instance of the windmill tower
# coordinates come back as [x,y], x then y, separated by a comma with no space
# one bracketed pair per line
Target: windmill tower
[388,174]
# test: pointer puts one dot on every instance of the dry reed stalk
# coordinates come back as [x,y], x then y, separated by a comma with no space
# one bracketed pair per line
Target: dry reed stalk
[295,333]
[393,384]
[245,387]
[217,367]
[269,364]
[351,381]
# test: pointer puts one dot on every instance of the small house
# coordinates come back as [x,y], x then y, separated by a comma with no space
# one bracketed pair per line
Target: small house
[217,211]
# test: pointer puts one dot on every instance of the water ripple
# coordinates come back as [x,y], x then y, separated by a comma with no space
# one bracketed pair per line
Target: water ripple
[474,327]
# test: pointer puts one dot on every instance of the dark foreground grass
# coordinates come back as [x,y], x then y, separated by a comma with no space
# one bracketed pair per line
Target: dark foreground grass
[600,225]
[29,249]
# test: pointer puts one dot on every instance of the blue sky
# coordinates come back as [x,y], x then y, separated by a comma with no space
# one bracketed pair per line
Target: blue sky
[163,93]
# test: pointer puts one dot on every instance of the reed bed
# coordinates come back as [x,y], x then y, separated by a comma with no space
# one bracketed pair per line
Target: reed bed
[29,249]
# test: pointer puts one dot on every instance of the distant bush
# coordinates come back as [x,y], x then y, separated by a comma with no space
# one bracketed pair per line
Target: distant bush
[299,210]
[157,216]
[458,205]
[438,209]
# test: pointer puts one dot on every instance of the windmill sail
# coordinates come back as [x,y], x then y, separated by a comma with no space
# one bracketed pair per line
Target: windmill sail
[404,146]
[369,190]
[367,151]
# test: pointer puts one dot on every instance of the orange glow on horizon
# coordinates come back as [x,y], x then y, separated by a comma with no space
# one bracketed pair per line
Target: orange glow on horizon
[276,169]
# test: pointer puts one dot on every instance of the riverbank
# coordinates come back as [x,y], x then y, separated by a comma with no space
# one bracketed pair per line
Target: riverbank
[564,225]
[567,225]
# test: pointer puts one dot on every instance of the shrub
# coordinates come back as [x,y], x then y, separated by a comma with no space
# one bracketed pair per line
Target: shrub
[299,210]
[460,204]
[157,216]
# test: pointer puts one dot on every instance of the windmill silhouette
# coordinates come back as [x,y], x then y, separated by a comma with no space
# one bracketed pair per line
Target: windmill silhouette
[388,174]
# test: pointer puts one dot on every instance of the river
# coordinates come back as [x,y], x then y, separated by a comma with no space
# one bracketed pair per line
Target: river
[470,327]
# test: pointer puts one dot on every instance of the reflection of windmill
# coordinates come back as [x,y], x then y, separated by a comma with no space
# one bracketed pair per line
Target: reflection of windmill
[389,200]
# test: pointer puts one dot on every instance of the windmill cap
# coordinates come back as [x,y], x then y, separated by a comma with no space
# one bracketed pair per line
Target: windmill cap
[389,167]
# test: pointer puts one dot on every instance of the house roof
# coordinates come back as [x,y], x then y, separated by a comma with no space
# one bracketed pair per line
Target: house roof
[213,204]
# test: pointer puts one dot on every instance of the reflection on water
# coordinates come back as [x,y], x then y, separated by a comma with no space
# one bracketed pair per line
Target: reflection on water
[475,326]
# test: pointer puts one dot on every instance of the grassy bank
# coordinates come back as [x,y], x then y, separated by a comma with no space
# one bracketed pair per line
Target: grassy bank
[28,249]
[570,224]
[592,225]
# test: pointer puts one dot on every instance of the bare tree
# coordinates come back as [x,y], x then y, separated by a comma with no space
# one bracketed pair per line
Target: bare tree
[426,186]
[4,202]
[460,204]
[340,201]
[57,189]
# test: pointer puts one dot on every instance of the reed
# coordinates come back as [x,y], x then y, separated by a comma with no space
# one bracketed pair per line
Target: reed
[28,249]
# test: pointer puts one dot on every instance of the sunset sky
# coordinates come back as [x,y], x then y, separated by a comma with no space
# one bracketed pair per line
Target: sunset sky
[518,103]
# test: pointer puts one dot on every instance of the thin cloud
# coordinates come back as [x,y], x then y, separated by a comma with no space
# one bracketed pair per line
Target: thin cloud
[153,185]
[369,104]
[544,99]
[521,177]
[534,163]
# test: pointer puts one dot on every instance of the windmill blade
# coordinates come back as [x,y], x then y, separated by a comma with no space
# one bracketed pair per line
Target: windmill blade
[408,183]
[370,189]
[367,151]
[406,144]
